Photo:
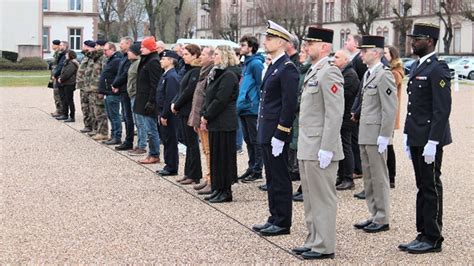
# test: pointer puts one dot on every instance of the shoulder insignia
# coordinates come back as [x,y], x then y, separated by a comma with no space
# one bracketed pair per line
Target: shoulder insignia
[442,83]
[386,67]
[334,88]
[289,62]
[388,91]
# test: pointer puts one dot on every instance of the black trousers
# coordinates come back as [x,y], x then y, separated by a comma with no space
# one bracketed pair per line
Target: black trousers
[355,149]
[249,130]
[66,93]
[170,144]
[192,166]
[429,199]
[346,166]
[391,163]
[223,155]
[128,118]
[279,186]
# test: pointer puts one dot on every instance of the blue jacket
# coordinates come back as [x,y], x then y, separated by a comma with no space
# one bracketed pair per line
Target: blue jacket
[249,93]
[167,89]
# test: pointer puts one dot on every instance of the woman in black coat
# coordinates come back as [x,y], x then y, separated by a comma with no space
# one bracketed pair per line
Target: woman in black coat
[67,79]
[219,117]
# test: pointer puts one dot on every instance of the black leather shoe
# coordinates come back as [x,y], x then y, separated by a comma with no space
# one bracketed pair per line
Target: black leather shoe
[299,250]
[213,195]
[275,230]
[363,224]
[224,196]
[298,196]
[403,247]
[313,255]
[345,185]
[124,147]
[70,120]
[247,173]
[258,227]
[423,247]
[263,187]
[165,172]
[392,184]
[253,177]
[85,130]
[112,141]
[338,181]
[61,117]
[360,195]
[375,228]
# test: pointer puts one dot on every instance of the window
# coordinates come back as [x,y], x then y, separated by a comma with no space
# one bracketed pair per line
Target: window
[312,13]
[45,4]
[203,21]
[344,34]
[428,7]
[329,11]
[379,31]
[250,16]
[457,39]
[75,5]
[45,39]
[386,8]
[385,34]
[345,9]
[75,36]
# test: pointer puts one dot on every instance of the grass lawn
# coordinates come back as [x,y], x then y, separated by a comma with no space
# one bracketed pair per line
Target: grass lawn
[22,78]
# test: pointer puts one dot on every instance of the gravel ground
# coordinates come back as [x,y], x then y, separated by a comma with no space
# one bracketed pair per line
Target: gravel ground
[68,199]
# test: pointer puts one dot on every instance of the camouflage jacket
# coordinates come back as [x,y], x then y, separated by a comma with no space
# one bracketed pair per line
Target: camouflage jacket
[93,70]
[80,76]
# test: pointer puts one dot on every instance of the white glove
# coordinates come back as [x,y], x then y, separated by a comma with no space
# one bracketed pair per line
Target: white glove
[277,146]
[324,158]
[382,142]
[429,152]
[406,148]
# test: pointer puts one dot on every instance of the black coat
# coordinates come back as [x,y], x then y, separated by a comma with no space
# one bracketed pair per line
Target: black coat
[121,78]
[351,88]
[429,103]
[184,98]
[149,74]
[166,91]
[219,108]
[108,74]
[59,67]
[68,72]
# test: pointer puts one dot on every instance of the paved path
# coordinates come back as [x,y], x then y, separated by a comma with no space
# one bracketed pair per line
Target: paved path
[67,199]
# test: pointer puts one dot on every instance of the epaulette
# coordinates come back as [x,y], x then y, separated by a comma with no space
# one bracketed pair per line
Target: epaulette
[386,67]
[290,62]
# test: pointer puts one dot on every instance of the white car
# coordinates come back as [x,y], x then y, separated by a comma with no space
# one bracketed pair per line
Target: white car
[464,67]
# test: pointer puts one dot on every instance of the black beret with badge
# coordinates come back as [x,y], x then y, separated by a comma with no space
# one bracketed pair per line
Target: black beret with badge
[56,42]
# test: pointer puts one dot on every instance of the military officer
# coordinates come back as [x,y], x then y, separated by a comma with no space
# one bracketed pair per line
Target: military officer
[377,121]
[426,132]
[276,115]
[319,145]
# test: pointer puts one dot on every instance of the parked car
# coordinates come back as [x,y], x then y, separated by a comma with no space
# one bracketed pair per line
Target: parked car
[407,63]
[449,58]
[464,67]
[50,59]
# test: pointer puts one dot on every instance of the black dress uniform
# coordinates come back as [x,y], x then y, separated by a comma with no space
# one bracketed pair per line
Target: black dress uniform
[165,92]
[429,107]
[276,114]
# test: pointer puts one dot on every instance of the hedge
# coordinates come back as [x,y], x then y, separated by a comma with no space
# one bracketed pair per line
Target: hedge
[27,63]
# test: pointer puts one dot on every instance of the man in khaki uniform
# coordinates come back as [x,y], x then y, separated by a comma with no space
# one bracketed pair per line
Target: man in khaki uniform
[377,121]
[319,145]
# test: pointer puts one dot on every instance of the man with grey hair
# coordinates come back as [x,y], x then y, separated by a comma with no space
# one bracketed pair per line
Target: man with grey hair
[292,50]
[160,46]
[120,85]
[377,121]
[351,87]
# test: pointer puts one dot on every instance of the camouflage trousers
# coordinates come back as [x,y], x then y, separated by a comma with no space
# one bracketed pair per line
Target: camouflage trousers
[87,110]
[57,101]
[101,125]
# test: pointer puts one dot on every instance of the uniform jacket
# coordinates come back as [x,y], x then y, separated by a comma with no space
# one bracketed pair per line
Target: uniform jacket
[80,75]
[184,98]
[120,80]
[166,91]
[220,102]
[429,103]
[132,78]
[351,88]
[198,97]
[249,92]
[109,72]
[321,112]
[379,106]
[278,101]
[68,73]
[93,70]
[149,74]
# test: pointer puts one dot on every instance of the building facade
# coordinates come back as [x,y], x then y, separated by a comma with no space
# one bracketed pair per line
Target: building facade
[334,14]
[31,25]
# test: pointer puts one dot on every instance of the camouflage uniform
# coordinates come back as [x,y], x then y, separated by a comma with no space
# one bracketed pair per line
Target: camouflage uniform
[91,87]
[80,84]
[57,98]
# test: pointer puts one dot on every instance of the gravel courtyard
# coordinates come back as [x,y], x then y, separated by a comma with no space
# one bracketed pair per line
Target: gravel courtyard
[65,198]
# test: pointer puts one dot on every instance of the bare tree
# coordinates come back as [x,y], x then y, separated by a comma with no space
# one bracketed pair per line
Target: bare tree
[294,15]
[177,22]
[445,13]
[134,16]
[402,24]
[106,13]
[363,13]
[467,9]
[152,8]
[230,28]
[120,9]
